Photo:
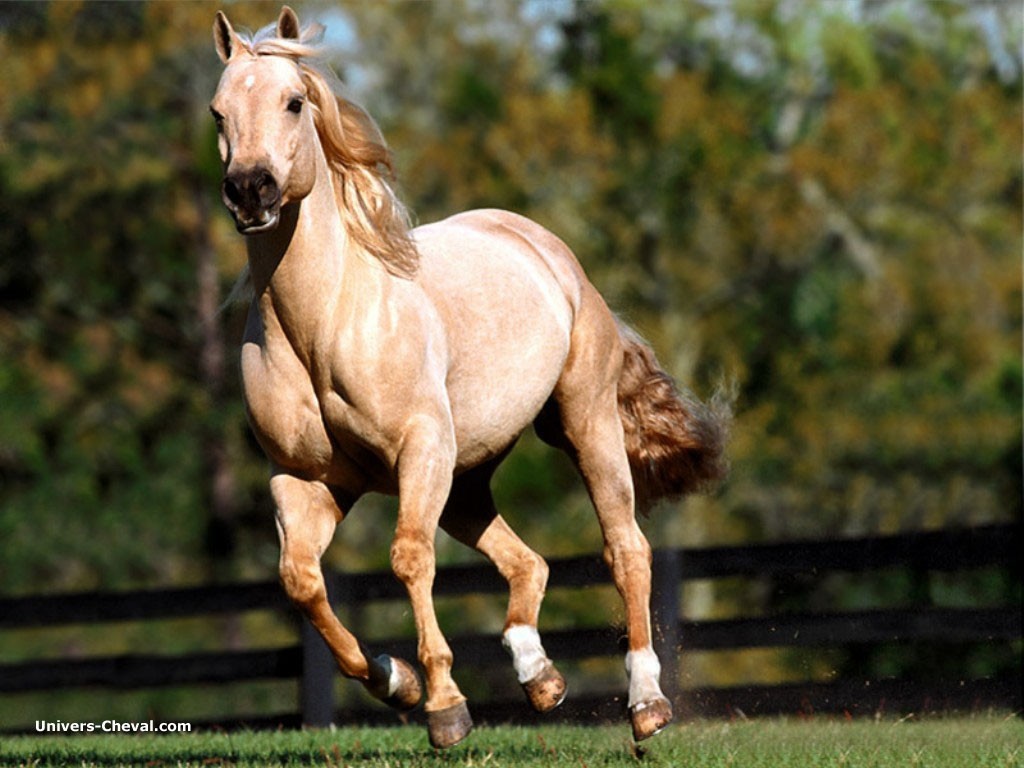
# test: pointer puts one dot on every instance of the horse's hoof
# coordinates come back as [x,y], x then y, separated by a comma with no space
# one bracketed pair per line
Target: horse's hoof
[650,717]
[547,690]
[397,683]
[409,689]
[449,726]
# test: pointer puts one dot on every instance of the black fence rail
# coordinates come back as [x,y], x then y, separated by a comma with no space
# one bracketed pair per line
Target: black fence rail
[309,662]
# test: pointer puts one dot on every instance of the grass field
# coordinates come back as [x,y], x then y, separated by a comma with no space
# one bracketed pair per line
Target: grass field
[983,742]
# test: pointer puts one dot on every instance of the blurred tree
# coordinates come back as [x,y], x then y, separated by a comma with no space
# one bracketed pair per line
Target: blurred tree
[112,346]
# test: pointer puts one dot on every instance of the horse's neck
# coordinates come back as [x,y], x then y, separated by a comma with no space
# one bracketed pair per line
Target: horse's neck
[301,269]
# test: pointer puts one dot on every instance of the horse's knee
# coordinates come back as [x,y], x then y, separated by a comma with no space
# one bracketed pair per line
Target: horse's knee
[526,569]
[539,572]
[412,558]
[302,579]
[534,571]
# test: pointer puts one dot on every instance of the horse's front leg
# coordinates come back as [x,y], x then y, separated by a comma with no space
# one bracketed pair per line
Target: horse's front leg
[425,466]
[307,514]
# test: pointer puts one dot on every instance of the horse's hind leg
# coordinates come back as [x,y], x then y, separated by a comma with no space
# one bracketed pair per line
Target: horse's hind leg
[586,396]
[471,517]
[307,514]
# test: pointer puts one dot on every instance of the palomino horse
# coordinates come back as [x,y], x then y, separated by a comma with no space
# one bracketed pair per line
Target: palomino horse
[379,358]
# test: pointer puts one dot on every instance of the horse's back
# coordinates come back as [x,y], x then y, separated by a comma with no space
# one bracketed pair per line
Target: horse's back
[482,239]
[507,291]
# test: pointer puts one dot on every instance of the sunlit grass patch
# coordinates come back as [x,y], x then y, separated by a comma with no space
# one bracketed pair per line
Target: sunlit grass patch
[980,742]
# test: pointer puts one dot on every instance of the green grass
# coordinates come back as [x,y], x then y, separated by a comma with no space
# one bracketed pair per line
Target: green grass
[940,743]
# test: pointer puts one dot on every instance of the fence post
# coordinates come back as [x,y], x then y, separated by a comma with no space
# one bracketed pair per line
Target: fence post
[666,575]
[316,689]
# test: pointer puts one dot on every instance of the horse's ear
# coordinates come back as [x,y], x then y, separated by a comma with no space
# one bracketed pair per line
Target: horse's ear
[288,24]
[224,38]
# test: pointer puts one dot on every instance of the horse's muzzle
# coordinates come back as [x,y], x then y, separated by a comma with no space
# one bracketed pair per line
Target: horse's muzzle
[254,199]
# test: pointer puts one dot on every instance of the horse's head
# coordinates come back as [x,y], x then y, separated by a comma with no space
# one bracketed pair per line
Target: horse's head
[280,123]
[266,133]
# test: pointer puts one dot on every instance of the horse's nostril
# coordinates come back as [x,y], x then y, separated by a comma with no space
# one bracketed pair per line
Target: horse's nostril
[267,190]
[231,192]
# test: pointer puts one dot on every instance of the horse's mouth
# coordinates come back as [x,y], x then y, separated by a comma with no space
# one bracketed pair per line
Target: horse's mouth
[266,221]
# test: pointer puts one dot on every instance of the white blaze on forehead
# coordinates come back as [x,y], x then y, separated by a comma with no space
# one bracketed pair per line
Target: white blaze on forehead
[250,81]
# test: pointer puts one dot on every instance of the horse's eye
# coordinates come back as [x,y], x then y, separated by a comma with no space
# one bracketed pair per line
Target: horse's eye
[218,118]
[295,105]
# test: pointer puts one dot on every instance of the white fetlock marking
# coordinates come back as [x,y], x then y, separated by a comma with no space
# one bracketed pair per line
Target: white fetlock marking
[644,670]
[528,657]
[394,676]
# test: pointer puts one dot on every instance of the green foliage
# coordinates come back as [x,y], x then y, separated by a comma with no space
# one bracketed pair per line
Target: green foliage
[103,411]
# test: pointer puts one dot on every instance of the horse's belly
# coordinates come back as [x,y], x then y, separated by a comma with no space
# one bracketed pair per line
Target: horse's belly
[509,382]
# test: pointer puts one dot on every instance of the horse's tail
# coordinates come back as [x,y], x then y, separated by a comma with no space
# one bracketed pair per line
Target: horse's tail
[675,443]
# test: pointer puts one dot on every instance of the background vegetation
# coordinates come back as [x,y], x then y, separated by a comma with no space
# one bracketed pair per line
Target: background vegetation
[817,202]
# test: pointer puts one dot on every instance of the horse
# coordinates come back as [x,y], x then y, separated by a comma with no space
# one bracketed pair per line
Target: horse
[378,357]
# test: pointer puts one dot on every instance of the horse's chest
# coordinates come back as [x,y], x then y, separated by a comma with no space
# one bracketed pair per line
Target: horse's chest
[309,430]
[283,410]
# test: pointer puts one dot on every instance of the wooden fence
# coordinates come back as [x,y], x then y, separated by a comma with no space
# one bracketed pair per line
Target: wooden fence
[310,664]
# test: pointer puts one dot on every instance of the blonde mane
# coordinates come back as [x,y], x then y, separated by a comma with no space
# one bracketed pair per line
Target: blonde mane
[357,154]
